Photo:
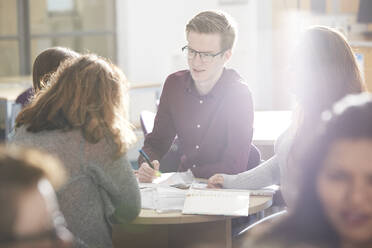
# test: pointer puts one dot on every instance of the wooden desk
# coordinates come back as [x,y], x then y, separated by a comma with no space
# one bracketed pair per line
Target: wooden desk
[152,229]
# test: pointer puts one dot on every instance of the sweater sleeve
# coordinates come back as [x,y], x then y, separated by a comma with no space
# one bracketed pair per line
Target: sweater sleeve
[119,190]
[264,175]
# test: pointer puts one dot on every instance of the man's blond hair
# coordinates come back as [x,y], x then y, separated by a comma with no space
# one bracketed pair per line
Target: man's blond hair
[211,22]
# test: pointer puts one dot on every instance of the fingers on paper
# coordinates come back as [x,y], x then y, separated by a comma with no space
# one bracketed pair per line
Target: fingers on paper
[145,173]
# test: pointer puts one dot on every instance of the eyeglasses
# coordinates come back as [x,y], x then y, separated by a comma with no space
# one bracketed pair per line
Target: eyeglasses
[205,57]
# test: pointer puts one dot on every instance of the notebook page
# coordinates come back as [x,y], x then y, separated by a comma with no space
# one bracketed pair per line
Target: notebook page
[216,202]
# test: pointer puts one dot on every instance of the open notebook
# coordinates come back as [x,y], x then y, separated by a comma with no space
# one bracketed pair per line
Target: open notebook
[216,202]
[162,196]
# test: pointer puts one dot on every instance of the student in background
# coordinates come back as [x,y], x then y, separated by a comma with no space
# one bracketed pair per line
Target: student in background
[334,203]
[208,107]
[82,119]
[324,70]
[45,64]
[29,214]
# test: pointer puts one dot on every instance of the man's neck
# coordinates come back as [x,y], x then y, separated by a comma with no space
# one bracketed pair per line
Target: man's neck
[206,87]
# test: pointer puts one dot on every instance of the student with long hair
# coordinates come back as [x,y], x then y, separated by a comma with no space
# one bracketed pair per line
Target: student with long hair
[334,202]
[324,70]
[81,116]
[44,65]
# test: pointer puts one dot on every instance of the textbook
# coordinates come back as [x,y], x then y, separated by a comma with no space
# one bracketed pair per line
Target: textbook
[217,202]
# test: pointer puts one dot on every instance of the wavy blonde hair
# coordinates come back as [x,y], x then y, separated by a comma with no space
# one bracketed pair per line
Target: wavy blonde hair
[86,93]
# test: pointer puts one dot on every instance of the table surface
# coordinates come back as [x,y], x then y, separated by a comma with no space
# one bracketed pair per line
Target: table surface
[256,204]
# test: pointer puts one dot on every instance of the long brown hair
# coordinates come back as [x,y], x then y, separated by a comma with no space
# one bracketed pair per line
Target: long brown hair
[328,71]
[86,93]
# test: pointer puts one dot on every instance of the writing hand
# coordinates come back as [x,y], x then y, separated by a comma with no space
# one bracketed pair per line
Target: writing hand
[146,174]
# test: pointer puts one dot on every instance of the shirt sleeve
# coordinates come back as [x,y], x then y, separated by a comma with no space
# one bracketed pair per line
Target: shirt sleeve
[158,142]
[266,174]
[234,159]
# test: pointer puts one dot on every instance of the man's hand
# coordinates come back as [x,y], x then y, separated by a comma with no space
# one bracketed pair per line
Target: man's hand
[146,174]
[215,181]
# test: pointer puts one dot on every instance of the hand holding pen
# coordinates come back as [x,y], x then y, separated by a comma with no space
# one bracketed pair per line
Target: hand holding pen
[148,170]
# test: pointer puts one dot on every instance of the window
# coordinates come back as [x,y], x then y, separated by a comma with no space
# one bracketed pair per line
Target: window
[28,27]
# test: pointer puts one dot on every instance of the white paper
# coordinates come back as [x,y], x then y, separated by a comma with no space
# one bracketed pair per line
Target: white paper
[216,202]
[173,179]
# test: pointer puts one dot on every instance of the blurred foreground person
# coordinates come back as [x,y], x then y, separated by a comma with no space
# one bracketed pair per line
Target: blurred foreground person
[334,203]
[29,214]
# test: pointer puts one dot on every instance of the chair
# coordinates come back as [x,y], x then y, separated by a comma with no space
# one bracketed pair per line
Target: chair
[244,236]
[8,113]
[254,157]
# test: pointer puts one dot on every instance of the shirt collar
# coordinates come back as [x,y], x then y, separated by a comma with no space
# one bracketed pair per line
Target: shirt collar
[216,91]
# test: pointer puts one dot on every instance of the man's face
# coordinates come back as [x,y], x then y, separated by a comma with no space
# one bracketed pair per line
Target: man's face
[206,74]
[37,219]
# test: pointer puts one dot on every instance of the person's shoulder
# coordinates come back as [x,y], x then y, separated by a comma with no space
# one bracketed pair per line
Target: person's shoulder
[179,76]
[236,82]
[177,80]
[25,96]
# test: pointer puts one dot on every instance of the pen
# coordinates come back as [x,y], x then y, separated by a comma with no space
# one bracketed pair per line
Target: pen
[146,157]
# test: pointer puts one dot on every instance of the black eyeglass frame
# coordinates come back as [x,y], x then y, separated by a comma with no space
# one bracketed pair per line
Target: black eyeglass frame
[202,55]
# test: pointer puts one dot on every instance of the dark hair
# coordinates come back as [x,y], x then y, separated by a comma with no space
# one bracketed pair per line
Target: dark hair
[47,62]
[86,93]
[20,171]
[350,118]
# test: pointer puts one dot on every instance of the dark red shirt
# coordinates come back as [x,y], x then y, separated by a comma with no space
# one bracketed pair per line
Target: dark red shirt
[214,130]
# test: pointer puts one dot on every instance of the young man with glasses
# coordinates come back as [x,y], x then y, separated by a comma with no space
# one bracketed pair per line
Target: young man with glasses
[208,107]
[29,214]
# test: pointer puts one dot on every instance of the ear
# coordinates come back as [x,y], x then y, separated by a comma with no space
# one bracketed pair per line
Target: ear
[227,55]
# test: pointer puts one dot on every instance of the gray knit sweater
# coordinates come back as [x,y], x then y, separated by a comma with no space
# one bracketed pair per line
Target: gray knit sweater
[100,189]
[273,171]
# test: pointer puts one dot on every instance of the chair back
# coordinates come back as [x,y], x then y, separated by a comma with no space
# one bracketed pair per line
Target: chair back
[254,157]
[147,121]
